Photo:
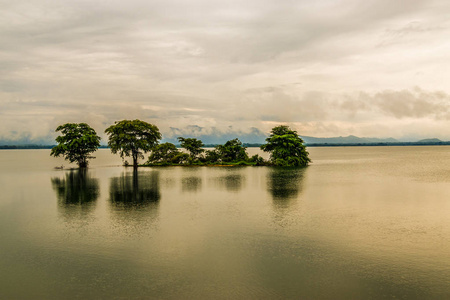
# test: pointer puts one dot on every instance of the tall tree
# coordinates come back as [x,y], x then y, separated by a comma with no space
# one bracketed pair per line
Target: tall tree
[132,138]
[286,148]
[76,142]
[193,146]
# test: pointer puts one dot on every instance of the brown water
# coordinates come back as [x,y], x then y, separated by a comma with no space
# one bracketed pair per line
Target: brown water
[359,223]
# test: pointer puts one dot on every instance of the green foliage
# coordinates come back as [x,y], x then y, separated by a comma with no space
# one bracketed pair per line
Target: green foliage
[193,146]
[76,142]
[167,153]
[286,148]
[132,138]
[180,158]
[212,156]
[232,151]
[257,160]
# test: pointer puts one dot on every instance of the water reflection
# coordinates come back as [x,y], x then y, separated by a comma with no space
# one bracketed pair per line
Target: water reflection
[285,183]
[232,181]
[134,198]
[135,190]
[77,193]
[191,184]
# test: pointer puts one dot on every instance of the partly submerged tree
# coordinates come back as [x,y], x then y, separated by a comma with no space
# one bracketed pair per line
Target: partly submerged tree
[76,142]
[232,151]
[132,138]
[193,146]
[167,153]
[286,148]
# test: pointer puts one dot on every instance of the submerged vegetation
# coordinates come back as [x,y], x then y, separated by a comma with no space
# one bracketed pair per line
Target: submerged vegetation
[134,138]
[76,143]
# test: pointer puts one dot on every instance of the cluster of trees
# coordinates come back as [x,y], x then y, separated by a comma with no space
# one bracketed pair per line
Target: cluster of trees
[134,138]
[232,152]
[127,137]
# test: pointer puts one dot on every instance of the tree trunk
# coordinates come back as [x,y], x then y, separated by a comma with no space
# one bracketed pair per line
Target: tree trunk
[135,160]
[82,163]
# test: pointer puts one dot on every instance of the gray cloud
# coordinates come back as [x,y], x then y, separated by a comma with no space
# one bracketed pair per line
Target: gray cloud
[254,112]
[217,64]
[413,104]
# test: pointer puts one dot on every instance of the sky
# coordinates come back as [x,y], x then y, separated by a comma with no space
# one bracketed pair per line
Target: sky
[373,68]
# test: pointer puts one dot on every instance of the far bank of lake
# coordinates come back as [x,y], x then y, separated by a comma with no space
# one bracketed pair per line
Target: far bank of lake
[256,145]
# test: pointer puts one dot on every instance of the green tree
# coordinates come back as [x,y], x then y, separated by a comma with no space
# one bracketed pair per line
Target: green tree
[167,153]
[212,156]
[76,142]
[132,138]
[193,146]
[232,151]
[286,148]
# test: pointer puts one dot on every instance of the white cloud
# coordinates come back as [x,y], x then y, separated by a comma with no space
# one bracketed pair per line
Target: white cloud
[326,67]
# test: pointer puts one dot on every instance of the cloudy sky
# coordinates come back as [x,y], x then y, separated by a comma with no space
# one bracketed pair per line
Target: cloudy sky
[373,68]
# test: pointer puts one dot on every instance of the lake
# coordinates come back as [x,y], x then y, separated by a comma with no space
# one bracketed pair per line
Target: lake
[358,223]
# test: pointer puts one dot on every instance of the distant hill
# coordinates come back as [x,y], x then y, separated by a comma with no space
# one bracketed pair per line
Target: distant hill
[430,141]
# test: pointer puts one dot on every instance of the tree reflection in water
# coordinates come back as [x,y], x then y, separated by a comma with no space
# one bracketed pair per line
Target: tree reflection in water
[191,184]
[134,199]
[77,193]
[233,179]
[285,185]
[135,191]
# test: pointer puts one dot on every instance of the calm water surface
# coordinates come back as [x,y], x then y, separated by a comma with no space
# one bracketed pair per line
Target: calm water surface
[359,223]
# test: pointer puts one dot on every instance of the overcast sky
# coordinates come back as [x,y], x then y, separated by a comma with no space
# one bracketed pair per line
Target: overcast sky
[373,68]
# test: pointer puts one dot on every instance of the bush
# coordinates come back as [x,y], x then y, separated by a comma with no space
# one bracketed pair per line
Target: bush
[258,160]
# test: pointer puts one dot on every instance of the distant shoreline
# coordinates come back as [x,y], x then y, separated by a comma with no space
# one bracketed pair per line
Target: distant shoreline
[31,147]
[378,144]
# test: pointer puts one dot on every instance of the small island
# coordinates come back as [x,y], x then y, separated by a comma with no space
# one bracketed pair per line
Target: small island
[134,138]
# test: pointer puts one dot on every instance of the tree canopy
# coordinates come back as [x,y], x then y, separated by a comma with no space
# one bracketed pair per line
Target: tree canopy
[76,142]
[286,148]
[232,150]
[167,153]
[132,138]
[193,146]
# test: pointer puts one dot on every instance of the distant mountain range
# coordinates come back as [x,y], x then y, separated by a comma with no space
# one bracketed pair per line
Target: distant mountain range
[354,140]
[253,140]
[351,139]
